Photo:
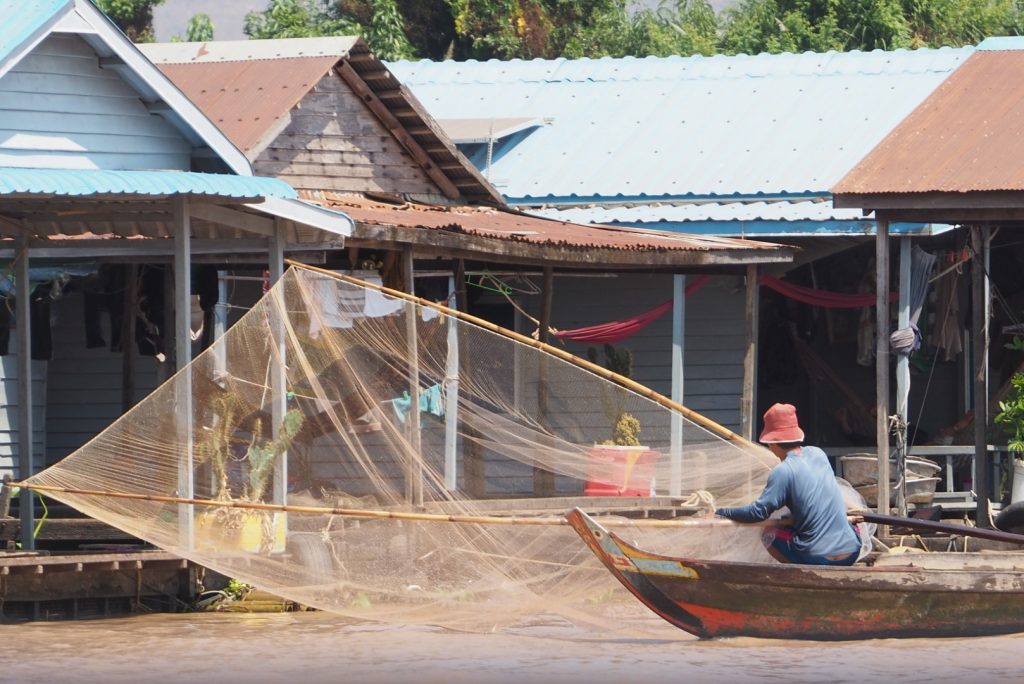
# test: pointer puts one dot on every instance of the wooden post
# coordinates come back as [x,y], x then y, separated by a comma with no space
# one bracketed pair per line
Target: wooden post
[414,474]
[675,484]
[451,395]
[903,373]
[23,310]
[474,475]
[882,362]
[748,404]
[544,480]
[979,344]
[278,379]
[182,356]
[128,338]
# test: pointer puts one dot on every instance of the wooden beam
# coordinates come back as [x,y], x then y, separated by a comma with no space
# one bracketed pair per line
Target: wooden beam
[882,362]
[381,111]
[474,477]
[676,423]
[26,427]
[979,349]
[250,223]
[182,357]
[1007,199]
[952,216]
[544,480]
[414,474]
[129,303]
[748,402]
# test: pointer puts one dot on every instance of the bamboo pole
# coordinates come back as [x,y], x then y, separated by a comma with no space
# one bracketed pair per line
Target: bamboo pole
[387,515]
[628,383]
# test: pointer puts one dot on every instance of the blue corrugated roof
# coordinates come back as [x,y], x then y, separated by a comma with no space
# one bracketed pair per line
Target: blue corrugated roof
[22,20]
[739,219]
[683,126]
[79,182]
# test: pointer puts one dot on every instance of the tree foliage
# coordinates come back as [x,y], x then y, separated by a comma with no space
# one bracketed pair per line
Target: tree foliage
[200,28]
[134,17]
[525,29]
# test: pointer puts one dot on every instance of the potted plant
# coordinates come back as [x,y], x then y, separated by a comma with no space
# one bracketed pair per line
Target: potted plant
[1011,419]
[239,528]
[620,465]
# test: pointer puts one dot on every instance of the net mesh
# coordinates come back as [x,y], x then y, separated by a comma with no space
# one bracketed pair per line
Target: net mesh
[307,401]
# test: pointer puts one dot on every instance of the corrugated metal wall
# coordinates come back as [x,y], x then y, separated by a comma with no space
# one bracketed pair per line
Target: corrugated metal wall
[59,109]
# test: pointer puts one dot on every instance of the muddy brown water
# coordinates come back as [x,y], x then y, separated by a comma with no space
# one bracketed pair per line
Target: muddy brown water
[310,648]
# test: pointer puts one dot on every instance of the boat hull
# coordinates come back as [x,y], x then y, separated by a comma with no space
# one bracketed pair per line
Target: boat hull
[718,598]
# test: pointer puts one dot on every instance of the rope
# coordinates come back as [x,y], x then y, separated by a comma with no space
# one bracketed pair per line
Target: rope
[701,499]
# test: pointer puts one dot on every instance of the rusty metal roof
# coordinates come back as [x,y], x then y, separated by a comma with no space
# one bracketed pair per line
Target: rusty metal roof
[967,136]
[247,87]
[588,242]
[247,99]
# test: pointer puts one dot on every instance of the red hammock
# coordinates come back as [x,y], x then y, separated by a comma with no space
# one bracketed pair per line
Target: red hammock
[619,330]
[823,298]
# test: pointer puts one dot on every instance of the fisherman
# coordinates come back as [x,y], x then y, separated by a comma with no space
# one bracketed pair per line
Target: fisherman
[804,482]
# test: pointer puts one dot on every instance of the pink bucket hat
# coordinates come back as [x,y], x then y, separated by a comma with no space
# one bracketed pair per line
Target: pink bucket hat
[781,426]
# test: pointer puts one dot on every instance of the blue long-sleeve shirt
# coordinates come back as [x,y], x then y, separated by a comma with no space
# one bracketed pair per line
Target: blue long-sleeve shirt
[804,482]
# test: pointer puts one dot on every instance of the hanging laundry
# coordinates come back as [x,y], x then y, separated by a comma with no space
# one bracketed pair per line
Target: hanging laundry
[431,401]
[379,304]
[947,329]
[922,264]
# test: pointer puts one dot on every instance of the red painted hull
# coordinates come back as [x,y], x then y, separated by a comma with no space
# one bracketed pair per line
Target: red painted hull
[717,598]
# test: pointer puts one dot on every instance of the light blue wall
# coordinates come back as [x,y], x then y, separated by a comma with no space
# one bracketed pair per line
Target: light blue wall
[60,109]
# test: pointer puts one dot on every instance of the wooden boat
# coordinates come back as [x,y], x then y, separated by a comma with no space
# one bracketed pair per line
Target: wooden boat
[719,598]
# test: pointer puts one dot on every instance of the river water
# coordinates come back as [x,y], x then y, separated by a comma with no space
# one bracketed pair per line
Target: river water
[314,647]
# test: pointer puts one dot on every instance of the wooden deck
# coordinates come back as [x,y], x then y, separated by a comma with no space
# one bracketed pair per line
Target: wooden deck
[42,586]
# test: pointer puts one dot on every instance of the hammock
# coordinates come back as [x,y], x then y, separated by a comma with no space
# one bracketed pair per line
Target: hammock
[616,331]
[619,330]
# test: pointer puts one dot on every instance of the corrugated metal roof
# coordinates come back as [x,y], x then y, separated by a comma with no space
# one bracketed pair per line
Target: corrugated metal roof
[741,219]
[24,20]
[683,126]
[967,136]
[706,211]
[504,225]
[247,50]
[78,182]
[247,99]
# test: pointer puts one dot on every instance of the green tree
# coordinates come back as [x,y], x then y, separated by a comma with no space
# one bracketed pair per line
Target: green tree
[385,33]
[819,25]
[503,29]
[297,19]
[796,25]
[961,22]
[134,17]
[200,28]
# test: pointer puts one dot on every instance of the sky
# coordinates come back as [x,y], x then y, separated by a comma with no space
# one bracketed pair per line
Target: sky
[170,18]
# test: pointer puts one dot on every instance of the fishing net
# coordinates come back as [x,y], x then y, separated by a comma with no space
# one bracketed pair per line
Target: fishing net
[322,447]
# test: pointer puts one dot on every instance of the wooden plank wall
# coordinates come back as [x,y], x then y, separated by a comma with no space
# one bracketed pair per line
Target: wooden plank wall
[713,377]
[335,143]
[83,391]
[713,363]
[9,411]
[59,109]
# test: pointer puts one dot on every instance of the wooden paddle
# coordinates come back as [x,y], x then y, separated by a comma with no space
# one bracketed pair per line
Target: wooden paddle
[932,526]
